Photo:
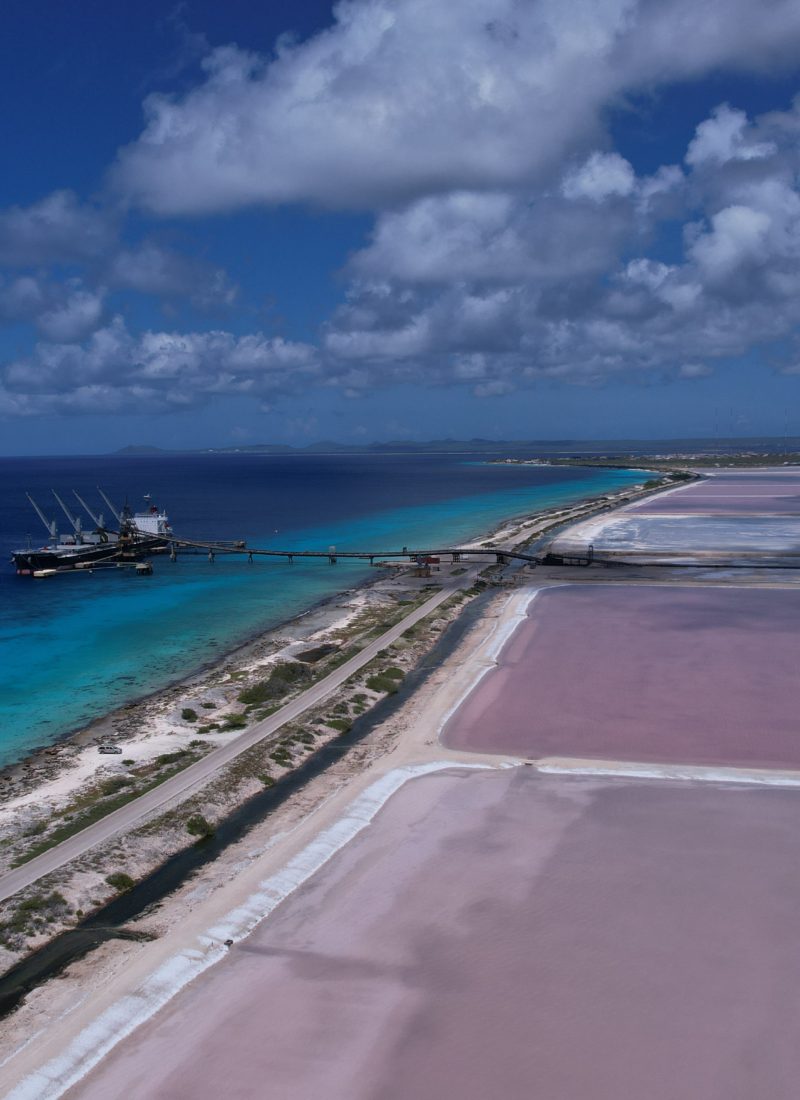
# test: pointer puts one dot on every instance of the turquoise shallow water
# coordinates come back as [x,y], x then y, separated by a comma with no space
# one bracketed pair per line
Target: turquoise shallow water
[75,646]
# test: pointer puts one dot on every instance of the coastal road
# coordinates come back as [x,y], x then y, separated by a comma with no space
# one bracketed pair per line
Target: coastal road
[193,777]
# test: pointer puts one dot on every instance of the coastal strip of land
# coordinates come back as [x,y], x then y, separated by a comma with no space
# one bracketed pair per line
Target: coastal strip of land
[196,774]
[64,812]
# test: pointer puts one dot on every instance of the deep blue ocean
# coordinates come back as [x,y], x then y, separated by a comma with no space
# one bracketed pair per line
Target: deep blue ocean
[73,647]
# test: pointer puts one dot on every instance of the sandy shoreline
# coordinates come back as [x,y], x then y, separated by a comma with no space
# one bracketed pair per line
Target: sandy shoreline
[309,625]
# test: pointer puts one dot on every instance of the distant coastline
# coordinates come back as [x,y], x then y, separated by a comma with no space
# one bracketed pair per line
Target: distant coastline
[561,449]
[677,464]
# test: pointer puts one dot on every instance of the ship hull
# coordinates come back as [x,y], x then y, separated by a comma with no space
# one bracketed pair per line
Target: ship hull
[30,562]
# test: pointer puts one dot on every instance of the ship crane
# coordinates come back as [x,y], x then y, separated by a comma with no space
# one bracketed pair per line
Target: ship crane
[114,511]
[96,519]
[50,524]
[77,526]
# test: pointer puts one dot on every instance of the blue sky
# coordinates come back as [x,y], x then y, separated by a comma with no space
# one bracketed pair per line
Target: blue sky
[224,224]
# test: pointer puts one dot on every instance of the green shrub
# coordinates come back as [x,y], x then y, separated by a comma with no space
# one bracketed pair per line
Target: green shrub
[171,757]
[282,678]
[235,721]
[39,902]
[267,780]
[384,684]
[208,706]
[199,826]
[33,913]
[311,656]
[188,714]
[120,881]
[113,785]
[341,724]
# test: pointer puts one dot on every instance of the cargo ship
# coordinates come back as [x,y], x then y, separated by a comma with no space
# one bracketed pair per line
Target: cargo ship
[134,535]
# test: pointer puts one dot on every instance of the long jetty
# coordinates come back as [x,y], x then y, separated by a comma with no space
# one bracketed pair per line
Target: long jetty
[455,554]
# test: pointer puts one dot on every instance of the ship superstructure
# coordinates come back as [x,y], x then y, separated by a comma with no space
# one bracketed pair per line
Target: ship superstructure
[153,521]
[133,535]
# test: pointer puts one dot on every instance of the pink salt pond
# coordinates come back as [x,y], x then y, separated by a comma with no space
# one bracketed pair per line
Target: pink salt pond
[671,674]
[734,492]
[502,934]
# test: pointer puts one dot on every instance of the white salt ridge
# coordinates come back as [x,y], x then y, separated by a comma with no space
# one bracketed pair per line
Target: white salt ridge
[122,1018]
[514,613]
[761,777]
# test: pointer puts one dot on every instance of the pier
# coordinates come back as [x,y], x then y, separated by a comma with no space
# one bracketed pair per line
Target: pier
[455,554]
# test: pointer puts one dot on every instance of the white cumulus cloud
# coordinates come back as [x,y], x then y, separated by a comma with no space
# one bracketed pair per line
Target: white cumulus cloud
[723,137]
[59,228]
[600,177]
[511,242]
[115,369]
[75,317]
[400,99]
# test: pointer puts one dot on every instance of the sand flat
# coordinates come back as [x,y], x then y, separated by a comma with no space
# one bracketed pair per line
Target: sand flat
[506,934]
[678,534]
[681,674]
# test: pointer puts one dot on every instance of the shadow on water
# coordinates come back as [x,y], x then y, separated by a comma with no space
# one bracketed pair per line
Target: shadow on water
[109,921]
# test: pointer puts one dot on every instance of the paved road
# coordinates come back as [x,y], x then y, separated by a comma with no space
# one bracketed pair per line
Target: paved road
[197,774]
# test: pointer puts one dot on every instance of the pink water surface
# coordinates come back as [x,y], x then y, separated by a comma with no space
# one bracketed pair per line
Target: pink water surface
[669,673]
[504,935]
[775,492]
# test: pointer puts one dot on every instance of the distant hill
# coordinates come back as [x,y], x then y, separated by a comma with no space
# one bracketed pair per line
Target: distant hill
[142,449]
